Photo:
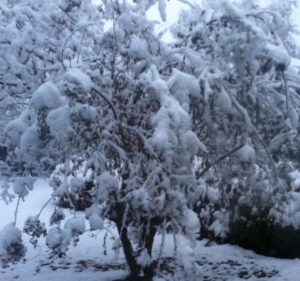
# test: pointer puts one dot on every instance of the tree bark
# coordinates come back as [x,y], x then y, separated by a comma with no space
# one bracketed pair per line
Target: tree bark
[128,250]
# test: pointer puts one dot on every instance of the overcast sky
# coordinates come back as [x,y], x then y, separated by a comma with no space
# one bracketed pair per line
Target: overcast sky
[174,7]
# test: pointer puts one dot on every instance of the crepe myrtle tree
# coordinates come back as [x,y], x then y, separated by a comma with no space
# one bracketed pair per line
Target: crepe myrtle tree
[247,114]
[122,128]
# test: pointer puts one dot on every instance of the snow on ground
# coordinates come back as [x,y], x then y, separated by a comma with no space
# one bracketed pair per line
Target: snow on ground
[88,261]
[81,263]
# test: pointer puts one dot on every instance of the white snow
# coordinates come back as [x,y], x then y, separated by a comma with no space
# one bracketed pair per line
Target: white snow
[78,78]
[247,154]
[194,59]
[191,224]
[105,184]
[144,258]
[22,186]
[183,86]
[192,143]
[58,240]
[46,96]
[15,128]
[278,54]
[59,123]
[85,112]
[8,236]
[295,176]
[223,102]
[162,9]
[293,118]
[39,266]
[288,213]
[138,48]
[30,138]
[85,262]
[76,225]
[96,223]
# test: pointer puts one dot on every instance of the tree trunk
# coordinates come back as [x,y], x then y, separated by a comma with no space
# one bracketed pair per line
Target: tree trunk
[128,251]
[135,269]
[149,239]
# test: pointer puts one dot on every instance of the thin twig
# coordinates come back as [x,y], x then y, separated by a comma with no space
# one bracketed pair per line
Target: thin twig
[70,35]
[107,101]
[286,94]
[218,160]
[44,206]
[16,210]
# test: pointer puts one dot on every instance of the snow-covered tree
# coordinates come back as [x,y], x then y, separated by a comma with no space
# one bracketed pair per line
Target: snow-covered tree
[38,41]
[164,136]
[120,127]
[248,112]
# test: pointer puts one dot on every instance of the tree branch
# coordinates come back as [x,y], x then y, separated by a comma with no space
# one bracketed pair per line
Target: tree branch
[200,174]
[107,101]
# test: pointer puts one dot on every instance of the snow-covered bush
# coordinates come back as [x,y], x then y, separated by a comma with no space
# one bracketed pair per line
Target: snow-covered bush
[247,113]
[34,228]
[58,240]
[273,228]
[11,245]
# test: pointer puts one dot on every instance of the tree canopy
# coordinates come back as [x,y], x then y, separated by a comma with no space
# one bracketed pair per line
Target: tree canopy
[170,138]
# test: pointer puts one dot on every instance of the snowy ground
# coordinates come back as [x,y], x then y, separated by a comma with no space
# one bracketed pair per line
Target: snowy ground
[89,262]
